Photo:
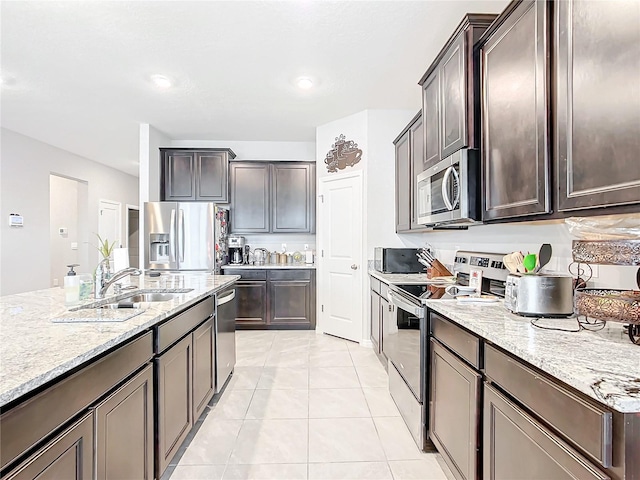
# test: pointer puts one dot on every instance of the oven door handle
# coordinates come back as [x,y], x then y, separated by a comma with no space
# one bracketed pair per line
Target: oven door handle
[405,305]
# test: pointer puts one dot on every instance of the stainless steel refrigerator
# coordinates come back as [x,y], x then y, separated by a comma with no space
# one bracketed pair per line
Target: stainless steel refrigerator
[185,236]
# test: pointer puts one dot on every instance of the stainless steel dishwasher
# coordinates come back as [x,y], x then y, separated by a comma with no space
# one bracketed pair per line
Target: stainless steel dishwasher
[225,335]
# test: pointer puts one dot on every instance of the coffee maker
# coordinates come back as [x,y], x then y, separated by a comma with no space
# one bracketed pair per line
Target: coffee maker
[236,249]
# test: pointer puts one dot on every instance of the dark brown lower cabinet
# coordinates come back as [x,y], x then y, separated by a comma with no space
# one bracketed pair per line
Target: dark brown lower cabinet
[175,415]
[518,446]
[275,298]
[252,301]
[203,367]
[292,299]
[68,456]
[455,412]
[124,430]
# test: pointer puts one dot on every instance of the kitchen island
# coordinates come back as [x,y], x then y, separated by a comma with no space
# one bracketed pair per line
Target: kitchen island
[80,383]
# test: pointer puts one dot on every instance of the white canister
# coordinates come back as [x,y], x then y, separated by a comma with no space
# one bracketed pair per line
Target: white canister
[308,256]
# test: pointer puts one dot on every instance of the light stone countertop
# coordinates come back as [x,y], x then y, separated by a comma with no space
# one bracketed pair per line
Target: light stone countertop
[272,266]
[603,365]
[34,350]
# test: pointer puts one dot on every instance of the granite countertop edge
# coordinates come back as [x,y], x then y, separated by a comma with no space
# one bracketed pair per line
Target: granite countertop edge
[147,319]
[583,360]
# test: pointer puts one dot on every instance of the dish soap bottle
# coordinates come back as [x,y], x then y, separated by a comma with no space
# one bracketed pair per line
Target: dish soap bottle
[71,286]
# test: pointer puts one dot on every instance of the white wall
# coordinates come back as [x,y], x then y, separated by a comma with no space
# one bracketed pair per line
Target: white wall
[67,209]
[522,236]
[384,127]
[151,139]
[24,188]
[374,132]
[272,151]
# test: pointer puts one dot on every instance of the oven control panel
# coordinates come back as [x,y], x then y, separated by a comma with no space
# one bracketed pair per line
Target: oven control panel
[491,264]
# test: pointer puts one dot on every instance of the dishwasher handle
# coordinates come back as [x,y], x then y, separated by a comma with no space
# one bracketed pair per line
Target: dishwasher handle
[228,298]
[405,305]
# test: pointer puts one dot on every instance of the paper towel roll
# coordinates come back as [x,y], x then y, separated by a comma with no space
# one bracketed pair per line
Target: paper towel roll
[120,259]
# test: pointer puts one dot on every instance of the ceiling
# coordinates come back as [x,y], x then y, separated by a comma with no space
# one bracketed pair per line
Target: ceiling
[76,74]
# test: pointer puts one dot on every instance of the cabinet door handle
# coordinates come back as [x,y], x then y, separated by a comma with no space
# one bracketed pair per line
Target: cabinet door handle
[354,267]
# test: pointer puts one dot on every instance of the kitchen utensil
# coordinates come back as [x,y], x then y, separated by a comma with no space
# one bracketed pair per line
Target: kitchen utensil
[513,262]
[529,262]
[544,255]
[437,268]
[455,290]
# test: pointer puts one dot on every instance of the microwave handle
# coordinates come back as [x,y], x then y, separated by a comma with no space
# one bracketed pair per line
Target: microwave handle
[457,180]
[445,189]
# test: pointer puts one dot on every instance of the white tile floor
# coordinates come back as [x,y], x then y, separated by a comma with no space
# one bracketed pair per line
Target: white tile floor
[304,406]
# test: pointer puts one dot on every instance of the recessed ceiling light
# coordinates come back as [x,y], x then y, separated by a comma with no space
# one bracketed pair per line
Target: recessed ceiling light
[305,83]
[161,81]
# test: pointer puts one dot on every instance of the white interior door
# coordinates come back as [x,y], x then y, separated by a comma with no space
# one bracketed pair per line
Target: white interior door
[341,253]
[109,221]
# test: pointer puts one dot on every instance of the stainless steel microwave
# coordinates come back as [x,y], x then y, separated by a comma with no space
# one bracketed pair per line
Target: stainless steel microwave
[448,193]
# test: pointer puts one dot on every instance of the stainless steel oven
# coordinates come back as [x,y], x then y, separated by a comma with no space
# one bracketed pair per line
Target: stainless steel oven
[448,192]
[406,332]
[404,345]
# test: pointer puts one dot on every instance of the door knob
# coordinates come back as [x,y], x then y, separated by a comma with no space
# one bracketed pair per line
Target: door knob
[354,267]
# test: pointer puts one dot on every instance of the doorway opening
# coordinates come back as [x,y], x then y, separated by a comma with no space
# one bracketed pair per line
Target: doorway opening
[68,226]
[133,235]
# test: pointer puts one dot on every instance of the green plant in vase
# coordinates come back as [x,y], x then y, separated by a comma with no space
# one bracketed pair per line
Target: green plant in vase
[106,249]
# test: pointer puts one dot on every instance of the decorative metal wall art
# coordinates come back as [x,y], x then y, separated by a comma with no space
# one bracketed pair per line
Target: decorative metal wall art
[343,154]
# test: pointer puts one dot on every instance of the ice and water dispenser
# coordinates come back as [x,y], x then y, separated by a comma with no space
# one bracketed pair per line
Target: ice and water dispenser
[159,247]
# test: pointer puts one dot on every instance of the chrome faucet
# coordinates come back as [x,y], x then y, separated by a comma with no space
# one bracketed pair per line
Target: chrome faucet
[103,282]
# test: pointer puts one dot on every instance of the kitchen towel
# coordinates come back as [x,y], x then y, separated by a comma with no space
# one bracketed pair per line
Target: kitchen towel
[120,259]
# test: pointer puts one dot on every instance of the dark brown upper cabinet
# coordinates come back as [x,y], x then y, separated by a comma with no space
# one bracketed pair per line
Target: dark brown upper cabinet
[597,103]
[293,197]
[515,86]
[250,197]
[273,197]
[450,89]
[403,180]
[409,147]
[431,119]
[195,174]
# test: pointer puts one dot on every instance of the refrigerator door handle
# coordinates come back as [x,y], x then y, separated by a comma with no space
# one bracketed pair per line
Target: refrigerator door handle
[172,236]
[181,228]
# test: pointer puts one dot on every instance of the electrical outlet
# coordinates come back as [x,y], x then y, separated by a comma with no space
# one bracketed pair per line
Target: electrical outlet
[595,271]
[306,246]
[284,247]
[55,282]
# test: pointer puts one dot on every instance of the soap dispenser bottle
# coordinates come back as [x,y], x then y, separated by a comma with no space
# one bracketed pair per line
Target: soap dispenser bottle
[71,286]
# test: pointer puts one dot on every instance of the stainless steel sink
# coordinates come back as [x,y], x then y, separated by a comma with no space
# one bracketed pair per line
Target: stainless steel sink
[135,300]
[148,297]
